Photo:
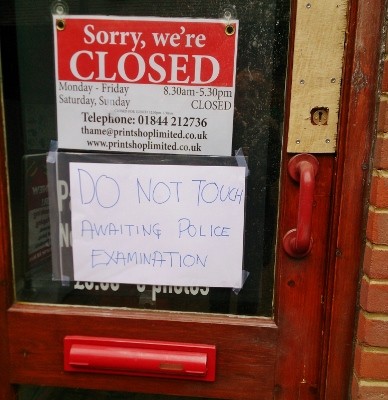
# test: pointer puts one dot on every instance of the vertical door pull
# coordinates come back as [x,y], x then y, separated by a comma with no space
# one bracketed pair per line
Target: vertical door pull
[302,168]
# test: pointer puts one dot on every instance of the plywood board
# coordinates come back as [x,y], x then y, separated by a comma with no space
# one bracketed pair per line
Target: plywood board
[316,74]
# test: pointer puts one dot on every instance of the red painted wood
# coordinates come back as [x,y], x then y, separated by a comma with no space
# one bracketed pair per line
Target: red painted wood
[299,293]
[245,348]
[313,295]
[300,284]
[357,126]
[6,391]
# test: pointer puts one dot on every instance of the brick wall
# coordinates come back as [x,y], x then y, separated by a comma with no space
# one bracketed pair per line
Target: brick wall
[370,379]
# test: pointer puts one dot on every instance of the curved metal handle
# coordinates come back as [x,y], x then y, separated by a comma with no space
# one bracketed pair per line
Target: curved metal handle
[302,168]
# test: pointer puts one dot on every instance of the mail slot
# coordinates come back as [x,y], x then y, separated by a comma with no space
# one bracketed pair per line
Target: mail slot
[139,357]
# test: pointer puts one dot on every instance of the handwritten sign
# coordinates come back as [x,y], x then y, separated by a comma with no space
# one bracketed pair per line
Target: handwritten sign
[153,85]
[158,224]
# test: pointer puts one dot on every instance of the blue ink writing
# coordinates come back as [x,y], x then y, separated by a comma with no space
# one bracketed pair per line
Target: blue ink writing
[105,190]
[159,192]
[156,258]
[211,192]
[187,229]
[91,230]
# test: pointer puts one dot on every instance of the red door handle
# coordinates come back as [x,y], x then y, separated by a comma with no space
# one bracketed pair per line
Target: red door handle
[302,168]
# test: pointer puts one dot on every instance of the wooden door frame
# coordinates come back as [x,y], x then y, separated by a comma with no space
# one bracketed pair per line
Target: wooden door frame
[357,126]
[357,133]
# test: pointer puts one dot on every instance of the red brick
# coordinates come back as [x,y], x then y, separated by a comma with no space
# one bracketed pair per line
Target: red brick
[376,261]
[374,296]
[384,83]
[382,119]
[377,227]
[369,390]
[380,160]
[371,363]
[373,329]
[379,189]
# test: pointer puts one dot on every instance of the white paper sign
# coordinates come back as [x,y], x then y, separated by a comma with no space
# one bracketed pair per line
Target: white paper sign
[153,85]
[158,224]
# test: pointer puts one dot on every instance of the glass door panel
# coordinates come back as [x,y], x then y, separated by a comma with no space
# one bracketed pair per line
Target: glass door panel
[30,106]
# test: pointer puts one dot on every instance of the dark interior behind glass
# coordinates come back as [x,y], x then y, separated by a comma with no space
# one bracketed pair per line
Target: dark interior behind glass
[29,100]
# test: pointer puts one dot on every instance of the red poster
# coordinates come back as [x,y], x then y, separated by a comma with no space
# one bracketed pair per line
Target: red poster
[153,85]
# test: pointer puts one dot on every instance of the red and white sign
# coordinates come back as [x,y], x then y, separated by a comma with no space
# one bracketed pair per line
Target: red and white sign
[152,85]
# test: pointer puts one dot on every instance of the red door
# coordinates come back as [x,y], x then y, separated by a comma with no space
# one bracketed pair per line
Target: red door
[288,332]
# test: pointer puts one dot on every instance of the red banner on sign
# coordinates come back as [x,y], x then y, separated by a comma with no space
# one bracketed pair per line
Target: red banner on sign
[162,52]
